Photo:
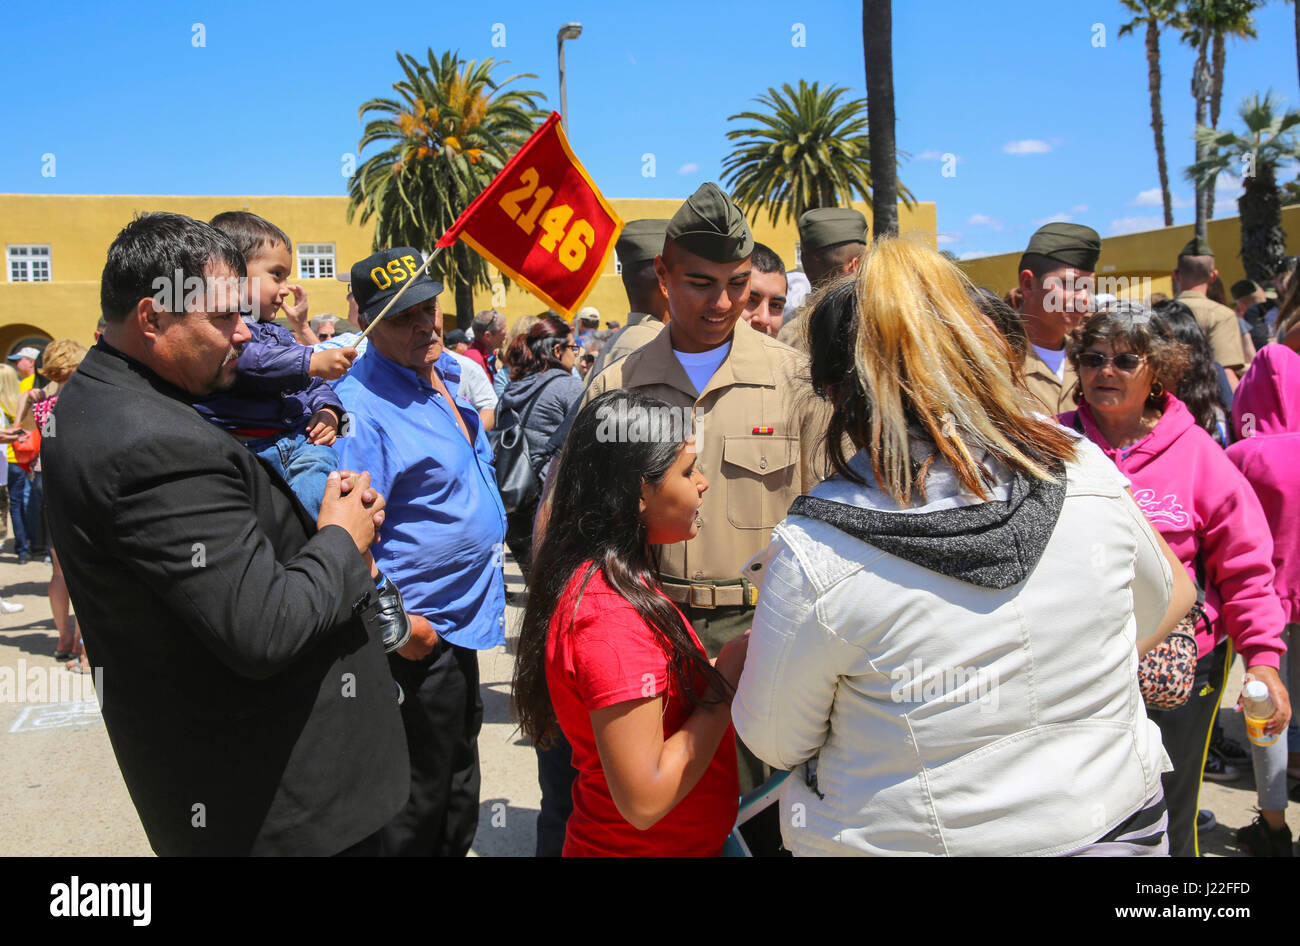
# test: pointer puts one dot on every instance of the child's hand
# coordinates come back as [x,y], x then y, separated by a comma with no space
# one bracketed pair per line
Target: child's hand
[297,312]
[332,363]
[323,428]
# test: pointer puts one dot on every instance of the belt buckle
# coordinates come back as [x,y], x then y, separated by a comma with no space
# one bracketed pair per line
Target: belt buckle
[713,596]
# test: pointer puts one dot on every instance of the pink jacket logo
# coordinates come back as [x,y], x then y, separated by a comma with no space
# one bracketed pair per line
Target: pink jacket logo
[1164,510]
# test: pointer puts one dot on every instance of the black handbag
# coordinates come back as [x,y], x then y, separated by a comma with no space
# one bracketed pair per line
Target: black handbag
[516,478]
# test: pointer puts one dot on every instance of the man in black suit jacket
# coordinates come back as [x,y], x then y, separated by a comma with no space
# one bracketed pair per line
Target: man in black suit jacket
[250,710]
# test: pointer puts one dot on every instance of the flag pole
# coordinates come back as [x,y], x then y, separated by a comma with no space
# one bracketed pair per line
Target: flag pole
[393,301]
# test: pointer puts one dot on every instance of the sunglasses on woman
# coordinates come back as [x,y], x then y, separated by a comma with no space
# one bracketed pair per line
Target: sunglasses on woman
[1125,361]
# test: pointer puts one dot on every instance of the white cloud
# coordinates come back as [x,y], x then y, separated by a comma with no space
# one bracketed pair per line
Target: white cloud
[1153,198]
[1134,224]
[1228,183]
[1079,209]
[1058,217]
[983,220]
[943,239]
[930,155]
[973,254]
[689,168]
[1028,146]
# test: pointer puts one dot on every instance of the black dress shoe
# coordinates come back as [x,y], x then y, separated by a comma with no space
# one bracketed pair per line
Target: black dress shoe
[385,614]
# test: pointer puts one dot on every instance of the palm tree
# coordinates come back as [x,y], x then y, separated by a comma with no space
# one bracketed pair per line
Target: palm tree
[1155,15]
[1296,4]
[810,150]
[1206,25]
[451,128]
[1269,142]
[878,52]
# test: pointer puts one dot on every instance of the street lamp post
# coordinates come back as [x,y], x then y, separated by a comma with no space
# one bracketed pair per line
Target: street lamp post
[567,31]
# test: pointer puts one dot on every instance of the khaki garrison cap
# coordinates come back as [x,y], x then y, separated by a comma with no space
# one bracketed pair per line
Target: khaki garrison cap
[1196,246]
[710,225]
[1068,243]
[641,240]
[824,227]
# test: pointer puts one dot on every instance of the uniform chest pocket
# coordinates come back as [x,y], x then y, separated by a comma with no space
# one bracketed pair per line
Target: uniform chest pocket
[761,476]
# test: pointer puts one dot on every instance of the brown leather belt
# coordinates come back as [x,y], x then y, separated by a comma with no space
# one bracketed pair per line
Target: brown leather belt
[705,595]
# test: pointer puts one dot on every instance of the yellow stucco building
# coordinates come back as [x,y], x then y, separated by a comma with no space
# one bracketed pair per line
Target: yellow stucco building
[55,248]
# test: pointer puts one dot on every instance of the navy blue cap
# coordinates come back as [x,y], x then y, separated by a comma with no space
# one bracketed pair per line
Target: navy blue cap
[380,276]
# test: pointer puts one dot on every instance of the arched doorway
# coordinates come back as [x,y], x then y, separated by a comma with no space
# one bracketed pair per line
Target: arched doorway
[21,335]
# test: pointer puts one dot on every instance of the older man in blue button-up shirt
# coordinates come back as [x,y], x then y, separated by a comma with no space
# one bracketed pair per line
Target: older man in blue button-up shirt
[440,543]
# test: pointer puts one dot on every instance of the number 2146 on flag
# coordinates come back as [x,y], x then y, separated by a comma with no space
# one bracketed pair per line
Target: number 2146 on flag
[573,244]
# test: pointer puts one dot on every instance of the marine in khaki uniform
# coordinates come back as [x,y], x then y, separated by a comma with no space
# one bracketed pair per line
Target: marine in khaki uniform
[638,245]
[831,242]
[1218,323]
[1056,280]
[757,424]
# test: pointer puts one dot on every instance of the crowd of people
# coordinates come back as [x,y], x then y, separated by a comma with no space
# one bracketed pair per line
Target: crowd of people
[857,559]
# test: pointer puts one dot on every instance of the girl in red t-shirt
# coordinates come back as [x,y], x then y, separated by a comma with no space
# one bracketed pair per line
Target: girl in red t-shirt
[606,658]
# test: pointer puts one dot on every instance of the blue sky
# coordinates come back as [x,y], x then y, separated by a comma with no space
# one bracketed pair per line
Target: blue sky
[1043,124]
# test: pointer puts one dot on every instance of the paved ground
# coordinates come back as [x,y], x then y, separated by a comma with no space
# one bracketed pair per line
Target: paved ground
[62,794]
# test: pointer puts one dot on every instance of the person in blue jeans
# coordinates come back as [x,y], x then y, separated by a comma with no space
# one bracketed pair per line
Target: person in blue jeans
[280,407]
[17,482]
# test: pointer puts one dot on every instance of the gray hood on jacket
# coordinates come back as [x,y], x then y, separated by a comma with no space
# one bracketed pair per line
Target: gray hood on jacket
[991,544]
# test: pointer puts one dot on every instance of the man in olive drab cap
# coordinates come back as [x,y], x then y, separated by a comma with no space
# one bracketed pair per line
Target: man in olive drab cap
[638,245]
[757,428]
[1218,323]
[831,242]
[1056,285]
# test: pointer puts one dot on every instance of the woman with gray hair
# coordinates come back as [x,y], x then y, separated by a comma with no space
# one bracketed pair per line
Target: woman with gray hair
[1208,514]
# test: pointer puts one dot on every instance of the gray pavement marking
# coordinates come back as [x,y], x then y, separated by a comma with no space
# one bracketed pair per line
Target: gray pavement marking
[38,718]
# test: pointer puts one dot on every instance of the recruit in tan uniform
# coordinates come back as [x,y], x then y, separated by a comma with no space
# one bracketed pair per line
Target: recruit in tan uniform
[757,448]
[1218,323]
[758,427]
[831,242]
[757,423]
[1056,281]
[638,245]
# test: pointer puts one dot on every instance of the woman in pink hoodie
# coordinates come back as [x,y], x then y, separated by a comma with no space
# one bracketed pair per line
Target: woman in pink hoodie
[1266,415]
[1207,512]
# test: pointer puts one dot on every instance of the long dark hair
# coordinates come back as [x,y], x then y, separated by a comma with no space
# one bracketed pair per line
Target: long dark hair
[596,518]
[535,352]
[1198,387]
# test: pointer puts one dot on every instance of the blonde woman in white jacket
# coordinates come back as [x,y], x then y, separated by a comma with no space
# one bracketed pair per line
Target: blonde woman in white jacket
[946,642]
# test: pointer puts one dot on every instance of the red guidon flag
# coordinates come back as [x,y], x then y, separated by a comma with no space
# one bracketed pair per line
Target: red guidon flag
[542,221]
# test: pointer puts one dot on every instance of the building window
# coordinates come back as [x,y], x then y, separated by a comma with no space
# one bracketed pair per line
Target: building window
[798,255]
[28,263]
[618,265]
[315,260]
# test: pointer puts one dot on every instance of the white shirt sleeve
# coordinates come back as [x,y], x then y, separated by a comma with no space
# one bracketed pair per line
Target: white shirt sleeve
[782,706]
[474,384]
